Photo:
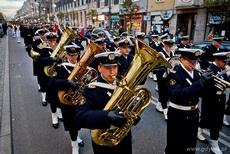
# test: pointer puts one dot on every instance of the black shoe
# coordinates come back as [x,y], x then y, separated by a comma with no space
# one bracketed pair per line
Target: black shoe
[44,103]
[55,126]
[81,144]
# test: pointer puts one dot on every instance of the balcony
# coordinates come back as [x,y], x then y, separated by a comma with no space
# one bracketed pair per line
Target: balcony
[183,4]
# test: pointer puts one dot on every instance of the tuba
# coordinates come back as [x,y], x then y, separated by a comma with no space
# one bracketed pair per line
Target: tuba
[129,97]
[82,75]
[67,36]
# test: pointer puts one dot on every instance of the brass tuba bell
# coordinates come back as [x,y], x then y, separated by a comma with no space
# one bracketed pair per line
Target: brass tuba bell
[82,74]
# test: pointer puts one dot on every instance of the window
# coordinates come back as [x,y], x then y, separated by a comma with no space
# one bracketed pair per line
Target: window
[116,2]
[159,1]
[102,3]
[106,2]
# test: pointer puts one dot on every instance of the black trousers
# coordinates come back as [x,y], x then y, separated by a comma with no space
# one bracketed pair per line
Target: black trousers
[162,90]
[73,134]
[182,127]
[124,147]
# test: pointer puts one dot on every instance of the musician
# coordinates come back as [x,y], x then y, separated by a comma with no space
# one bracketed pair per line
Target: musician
[226,114]
[154,43]
[58,83]
[184,42]
[160,45]
[101,43]
[91,114]
[38,44]
[108,44]
[207,57]
[43,60]
[161,74]
[185,85]
[125,59]
[213,101]
[100,35]
[140,36]
[124,35]
[116,41]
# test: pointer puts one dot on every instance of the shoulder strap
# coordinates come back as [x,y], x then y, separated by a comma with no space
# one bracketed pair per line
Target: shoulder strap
[102,85]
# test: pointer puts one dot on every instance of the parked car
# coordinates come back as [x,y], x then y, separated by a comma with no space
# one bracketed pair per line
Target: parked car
[202,45]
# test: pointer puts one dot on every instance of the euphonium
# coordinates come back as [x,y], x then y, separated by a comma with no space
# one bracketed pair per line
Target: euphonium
[67,36]
[82,74]
[129,96]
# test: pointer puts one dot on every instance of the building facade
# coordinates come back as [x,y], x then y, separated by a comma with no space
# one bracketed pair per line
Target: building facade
[161,15]
[179,17]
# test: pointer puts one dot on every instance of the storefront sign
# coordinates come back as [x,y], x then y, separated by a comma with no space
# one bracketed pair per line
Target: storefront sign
[167,14]
[101,17]
[156,20]
[115,18]
[215,20]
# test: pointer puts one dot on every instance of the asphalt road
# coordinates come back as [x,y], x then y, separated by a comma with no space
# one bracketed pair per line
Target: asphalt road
[31,122]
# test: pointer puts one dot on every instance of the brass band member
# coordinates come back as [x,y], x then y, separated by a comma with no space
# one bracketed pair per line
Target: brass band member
[167,53]
[60,82]
[91,115]
[37,45]
[125,59]
[184,42]
[185,87]
[213,102]
[207,57]
[43,60]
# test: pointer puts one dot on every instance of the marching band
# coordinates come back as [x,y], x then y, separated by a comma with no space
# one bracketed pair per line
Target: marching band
[198,74]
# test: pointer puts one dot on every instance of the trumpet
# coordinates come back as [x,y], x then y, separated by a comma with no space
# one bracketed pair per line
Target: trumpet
[220,83]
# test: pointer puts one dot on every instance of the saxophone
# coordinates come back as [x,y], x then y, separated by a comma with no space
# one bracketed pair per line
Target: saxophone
[130,97]
[67,36]
[81,74]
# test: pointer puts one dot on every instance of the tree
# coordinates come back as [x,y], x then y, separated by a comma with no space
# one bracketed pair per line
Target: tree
[1,17]
[130,9]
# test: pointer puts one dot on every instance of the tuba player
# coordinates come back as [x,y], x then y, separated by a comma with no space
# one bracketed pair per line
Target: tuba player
[91,114]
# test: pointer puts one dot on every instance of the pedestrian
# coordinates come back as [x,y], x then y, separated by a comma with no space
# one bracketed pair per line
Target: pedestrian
[4,26]
[18,34]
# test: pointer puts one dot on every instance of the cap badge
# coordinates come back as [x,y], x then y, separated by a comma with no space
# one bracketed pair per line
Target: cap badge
[197,53]
[111,56]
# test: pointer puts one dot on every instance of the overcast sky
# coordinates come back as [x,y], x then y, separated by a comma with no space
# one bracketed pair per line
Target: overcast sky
[10,7]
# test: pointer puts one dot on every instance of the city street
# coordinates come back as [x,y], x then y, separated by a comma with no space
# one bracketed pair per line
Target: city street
[32,131]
